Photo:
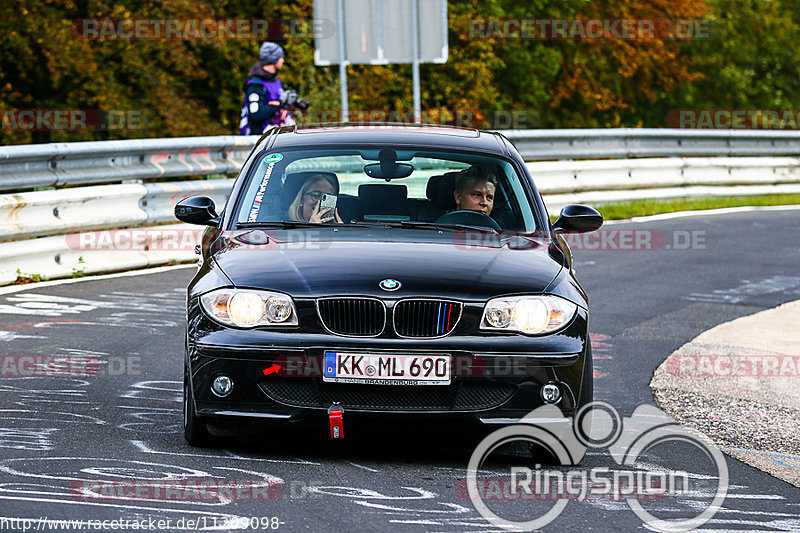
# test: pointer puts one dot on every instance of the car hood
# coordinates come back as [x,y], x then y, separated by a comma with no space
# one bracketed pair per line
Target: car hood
[514,265]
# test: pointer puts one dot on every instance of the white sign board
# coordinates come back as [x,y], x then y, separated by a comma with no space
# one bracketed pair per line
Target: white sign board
[382,31]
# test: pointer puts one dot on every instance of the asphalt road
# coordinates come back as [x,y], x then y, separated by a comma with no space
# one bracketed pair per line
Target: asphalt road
[63,437]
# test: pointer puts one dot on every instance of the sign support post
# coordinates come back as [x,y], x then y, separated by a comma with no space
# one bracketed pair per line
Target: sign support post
[380,32]
[415,60]
[342,61]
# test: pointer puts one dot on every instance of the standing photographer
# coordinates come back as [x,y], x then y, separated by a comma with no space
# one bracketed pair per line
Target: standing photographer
[266,103]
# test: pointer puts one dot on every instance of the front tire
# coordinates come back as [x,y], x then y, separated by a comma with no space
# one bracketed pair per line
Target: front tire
[194,428]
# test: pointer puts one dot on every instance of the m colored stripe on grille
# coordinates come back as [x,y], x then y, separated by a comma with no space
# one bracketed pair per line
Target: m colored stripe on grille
[425,318]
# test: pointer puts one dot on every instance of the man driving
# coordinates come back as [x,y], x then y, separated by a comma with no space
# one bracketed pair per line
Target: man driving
[474,189]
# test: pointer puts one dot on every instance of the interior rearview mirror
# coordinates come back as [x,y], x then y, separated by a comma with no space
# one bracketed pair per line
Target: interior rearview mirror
[388,170]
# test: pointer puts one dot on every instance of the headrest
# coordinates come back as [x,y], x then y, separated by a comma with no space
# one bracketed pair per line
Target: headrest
[294,182]
[440,190]
[382,193]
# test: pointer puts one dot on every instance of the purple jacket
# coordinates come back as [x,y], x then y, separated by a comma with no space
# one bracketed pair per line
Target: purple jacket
[261,108]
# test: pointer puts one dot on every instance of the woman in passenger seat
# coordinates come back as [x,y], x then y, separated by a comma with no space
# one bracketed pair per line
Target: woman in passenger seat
[305,207]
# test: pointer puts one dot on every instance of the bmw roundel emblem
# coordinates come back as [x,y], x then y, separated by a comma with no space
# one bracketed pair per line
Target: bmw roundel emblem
[389,284]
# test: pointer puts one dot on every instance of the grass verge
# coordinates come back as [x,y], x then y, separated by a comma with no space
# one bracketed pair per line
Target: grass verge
[653,207]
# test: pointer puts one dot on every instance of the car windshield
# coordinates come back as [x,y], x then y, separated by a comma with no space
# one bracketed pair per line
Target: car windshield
[407,188]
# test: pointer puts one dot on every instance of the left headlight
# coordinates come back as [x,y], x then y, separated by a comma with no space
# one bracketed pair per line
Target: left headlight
[527,314]
[247,308]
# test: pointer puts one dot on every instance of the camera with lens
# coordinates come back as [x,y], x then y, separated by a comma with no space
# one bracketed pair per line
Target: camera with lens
[290,99]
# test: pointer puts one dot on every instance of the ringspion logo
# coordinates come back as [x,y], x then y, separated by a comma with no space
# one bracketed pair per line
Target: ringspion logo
[644,487]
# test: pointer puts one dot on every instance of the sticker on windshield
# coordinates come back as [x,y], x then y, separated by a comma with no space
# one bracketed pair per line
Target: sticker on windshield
[271,159]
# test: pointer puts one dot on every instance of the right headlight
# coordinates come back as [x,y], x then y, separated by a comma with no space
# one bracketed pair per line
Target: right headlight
[247,308]
[527,314]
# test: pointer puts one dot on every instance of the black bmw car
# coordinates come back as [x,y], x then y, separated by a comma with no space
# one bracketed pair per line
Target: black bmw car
[402,274]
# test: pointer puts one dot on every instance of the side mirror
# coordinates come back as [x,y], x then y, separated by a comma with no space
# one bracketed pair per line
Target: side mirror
[578,218]
[197,210]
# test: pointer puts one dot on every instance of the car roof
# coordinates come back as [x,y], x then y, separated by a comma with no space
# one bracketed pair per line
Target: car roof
[397,135]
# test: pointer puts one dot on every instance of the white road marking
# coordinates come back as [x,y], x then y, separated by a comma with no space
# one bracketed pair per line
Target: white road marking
[143,447]
[454,508]
[43,285]
[775,284]
[170,471]
[754,497]
[352,492]
[50,417]
[362,467]
[11,336]
[704,212]
[37,439]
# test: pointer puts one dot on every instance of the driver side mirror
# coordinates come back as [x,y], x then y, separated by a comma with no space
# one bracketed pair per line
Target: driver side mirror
[576,218]
[197,210]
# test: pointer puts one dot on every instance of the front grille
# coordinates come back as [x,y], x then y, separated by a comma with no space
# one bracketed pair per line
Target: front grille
[313,392]
[358,317]
[425,318]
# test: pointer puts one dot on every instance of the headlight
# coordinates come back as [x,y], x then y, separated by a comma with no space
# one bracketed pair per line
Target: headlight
[248,308]
[528,314]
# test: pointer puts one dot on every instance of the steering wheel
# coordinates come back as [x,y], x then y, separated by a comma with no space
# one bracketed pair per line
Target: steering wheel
[468,217]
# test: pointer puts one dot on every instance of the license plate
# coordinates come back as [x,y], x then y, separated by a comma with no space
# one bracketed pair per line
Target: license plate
[387,369]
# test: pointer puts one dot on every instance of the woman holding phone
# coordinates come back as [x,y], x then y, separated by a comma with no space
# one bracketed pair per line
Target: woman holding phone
[306,206]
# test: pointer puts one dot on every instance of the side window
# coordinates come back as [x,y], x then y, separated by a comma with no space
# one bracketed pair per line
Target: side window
[260,199]
[521,216]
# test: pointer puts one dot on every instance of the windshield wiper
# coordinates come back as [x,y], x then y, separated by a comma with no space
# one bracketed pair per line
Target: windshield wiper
[433,225]
[286,224]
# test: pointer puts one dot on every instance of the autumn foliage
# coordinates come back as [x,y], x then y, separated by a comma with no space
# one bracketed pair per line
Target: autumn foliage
[194,87]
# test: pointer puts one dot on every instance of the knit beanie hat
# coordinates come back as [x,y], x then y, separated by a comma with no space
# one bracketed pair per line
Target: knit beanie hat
[270,53]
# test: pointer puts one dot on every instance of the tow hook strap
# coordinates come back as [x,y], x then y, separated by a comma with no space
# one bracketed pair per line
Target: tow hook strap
[335,412]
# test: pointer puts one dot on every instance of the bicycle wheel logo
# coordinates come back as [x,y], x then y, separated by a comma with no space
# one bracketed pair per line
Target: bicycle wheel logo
[628,441]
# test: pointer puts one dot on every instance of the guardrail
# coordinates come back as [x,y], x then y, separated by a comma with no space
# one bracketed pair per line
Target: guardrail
[653,142]
[619,180]
[56,165]
[42,228]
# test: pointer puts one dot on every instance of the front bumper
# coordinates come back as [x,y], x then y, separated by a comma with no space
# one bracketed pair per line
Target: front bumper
[496,380]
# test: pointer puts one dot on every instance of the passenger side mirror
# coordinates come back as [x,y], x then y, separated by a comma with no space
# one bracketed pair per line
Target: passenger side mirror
[197,210]
[576,218]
